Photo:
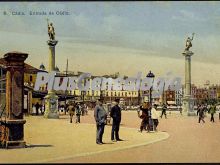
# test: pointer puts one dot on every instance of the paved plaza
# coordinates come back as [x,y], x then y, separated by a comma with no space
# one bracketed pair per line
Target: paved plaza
[179,139]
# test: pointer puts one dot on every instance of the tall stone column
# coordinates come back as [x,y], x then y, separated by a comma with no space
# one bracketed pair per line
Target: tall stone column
[12,128]
[188,106]
[51,100]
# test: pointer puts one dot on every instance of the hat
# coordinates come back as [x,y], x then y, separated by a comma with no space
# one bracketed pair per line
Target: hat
[101,99]
[117,100]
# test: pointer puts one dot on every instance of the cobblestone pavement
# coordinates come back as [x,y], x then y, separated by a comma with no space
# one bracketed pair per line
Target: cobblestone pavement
[57,139]
[189,141]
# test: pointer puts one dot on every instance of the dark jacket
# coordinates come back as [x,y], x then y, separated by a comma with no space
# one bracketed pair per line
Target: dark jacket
[116,113]
[201,112]
[78,110]
[100,114]
[71,109]
[144,114]
[164,107]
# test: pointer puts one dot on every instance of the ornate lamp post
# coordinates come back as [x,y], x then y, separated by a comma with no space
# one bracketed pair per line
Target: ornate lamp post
[150,75]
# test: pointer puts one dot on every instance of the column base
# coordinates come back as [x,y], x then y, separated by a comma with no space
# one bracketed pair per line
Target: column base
[15,144]
[188,106]
[12,133]
[191,114]
[52,116]
[51,106]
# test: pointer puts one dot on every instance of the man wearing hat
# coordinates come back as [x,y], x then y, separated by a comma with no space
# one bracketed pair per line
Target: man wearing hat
[78,112]
[116,116]
[71,110]
[100,116]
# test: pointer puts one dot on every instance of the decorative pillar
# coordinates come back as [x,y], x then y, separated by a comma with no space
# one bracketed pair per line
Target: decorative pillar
[188,101]
[51,100]
[12,128]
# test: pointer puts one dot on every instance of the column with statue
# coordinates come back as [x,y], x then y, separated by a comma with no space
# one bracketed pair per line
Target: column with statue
[188,100]
[51,100]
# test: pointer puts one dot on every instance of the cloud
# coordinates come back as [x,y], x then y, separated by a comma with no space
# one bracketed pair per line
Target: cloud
[187,16]
[112,23]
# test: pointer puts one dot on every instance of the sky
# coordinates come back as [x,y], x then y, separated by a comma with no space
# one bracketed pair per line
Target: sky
[126,37]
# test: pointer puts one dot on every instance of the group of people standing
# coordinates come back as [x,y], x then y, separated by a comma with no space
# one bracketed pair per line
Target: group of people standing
[76,109]
[203,109]
[100,116]
[149,117]
[36,107]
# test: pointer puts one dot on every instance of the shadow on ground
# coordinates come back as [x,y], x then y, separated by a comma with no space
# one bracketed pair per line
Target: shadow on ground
[37,145]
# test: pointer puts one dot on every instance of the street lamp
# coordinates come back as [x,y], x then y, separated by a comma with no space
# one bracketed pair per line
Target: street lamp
[150,75]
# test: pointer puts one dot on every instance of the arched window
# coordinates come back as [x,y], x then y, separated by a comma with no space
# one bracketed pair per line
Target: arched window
[31,78]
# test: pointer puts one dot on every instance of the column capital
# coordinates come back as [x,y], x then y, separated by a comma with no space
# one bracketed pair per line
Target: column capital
[52,42]
[15,56]
[187,53]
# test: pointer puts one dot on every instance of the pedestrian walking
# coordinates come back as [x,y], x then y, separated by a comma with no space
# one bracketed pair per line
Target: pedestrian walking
[155,116]
[37,106]
[71,110]
[164,109]
[144,116]
[218,108]
[87,109]
[212,111]
[201,114]
[115,113]
[83,109]
[78,110]
[100,116]
[198,108]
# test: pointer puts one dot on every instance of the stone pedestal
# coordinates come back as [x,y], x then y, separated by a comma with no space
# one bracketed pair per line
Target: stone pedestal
[51,106]
[51,100]
[188,105]
[12,128]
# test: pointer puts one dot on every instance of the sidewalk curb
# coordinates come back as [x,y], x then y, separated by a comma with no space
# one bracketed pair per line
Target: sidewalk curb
[106,150]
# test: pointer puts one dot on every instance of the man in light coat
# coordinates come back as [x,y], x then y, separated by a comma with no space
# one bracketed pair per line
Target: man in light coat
[155,116]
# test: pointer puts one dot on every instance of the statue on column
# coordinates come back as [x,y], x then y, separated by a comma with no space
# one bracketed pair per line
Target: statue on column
[189,42]
[51,31]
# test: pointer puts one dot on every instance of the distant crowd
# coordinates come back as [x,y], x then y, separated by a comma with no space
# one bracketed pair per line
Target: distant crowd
[203,109]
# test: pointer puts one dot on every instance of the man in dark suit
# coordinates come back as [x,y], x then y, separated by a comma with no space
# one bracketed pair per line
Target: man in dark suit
[164,109]
[116,116]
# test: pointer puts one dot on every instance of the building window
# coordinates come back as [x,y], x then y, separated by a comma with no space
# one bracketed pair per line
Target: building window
[31,78]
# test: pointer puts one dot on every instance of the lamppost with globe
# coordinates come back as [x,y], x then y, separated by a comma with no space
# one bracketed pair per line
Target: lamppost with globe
[150,75]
